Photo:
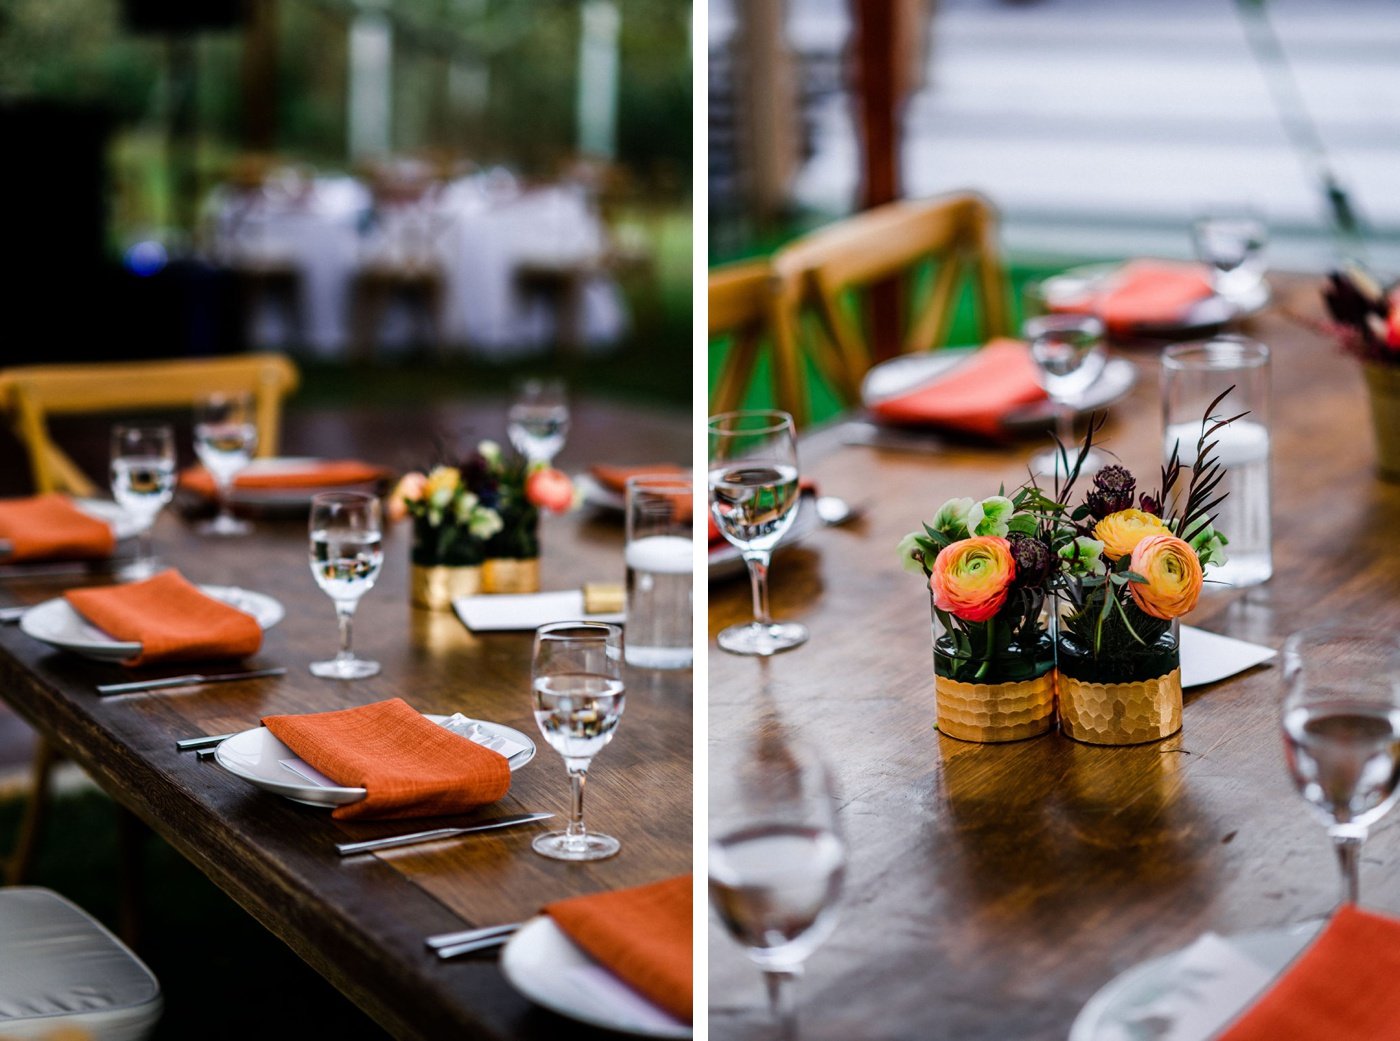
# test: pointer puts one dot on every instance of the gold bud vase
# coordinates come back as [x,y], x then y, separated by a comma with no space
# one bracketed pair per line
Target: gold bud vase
[435,587]
[1383,381]
[510,575]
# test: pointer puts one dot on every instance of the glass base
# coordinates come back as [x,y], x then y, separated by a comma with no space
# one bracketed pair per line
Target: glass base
[225,526]
[559,845]
[763,640]
[137,570]
[345,669]
[1049,464]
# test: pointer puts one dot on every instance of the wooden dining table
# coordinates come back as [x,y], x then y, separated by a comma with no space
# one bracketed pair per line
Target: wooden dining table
[362,921]
[992,889]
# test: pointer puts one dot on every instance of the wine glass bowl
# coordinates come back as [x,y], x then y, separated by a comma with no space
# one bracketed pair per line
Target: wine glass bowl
[346,543]
[537,421]
[1340,717]
[225,438]
[1069,355]
[143,482]
[1232,245]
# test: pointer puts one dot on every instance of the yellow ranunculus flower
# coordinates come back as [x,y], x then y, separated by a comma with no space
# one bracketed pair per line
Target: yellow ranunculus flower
[1121,532]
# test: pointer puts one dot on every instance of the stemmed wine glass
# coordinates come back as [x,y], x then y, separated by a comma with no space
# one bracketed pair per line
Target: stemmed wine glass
[777,861]
[579,697]
[537,422]
[1068,351]
[1232,244]
[754,498]
[225,437]
[346,553]
[143,481]
[1341,732]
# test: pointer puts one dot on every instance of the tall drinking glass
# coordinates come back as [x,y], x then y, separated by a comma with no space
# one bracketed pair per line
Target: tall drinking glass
[1069,355]
[1193,375]
[538,420]
[579,697]
[777,861]
[143,481]
[1341,732]
[753,499]
[225,437]
[1232,245]
[660,557]
[346,553]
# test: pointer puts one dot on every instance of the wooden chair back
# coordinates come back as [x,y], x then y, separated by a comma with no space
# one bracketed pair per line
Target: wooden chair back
[741,301]
[30,394]
[818,272]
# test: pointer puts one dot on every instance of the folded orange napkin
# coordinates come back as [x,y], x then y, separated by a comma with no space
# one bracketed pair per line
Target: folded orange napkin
[49,527]
[614,478]
[321,473]
[410,766]
[172,620]
[975,395]
[1342,988]
[643,935]
[1144,293]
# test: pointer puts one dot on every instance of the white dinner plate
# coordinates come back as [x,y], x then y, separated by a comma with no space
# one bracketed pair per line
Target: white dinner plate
[1204,316]
[725,560]
[1123,998]
[597,495]
[900,375]
[56,623]
[124,525]
[549,969]
[257,756]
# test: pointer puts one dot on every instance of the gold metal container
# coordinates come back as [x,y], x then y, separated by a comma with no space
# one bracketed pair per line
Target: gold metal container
[995,712]
[1121,713]
[508,575]
[1384,384]
[436,587]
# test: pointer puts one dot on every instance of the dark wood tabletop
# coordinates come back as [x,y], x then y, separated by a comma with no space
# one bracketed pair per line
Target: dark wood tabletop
[361,922]
[992,889]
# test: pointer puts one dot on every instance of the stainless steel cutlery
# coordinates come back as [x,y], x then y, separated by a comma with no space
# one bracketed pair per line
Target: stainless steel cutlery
[450,945]
[346,849]
[191,680]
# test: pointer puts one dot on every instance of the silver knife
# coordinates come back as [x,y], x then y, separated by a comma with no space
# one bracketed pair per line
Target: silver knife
[10,615]
[208,741]
[346,849]
[186,681]
[441,940]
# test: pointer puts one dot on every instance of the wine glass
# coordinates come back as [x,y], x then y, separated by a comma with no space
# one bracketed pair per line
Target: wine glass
[579,697]
[1232,245]
[538,420]
[225,437]
[143,481]
[1068,351]
[346,553]
[1341,732]
[777,861]
[754,498]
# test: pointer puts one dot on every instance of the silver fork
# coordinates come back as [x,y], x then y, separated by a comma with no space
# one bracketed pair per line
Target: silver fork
[450,945]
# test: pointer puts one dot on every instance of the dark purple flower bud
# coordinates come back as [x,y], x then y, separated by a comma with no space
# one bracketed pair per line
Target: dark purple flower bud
[1113,491]
[1150,505]
[1033,561]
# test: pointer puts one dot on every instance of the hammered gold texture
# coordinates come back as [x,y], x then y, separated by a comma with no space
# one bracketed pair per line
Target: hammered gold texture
[995,712]
[507,575]
[436,587]
[1121,713]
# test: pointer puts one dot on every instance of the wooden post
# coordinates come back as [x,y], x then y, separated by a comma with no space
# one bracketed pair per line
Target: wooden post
[765,106]
[259,73]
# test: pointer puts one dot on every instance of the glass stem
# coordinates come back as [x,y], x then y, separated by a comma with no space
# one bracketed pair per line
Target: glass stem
[1347,840]
[780,1000]
[757,560]
[575,831]
[143,548]
[224,486]
[345,615]
[1064,425]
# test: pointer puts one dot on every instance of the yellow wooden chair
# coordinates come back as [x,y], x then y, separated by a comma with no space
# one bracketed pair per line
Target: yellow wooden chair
[32,393]
[818,273]
[742,298]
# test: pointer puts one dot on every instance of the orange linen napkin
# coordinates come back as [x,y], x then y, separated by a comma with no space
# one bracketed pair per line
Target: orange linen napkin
[1342,988]
[643,935]
[410,766]
[975,396]
[1145,293]
[325,473]
[614,478]
[49,527]
[172,620]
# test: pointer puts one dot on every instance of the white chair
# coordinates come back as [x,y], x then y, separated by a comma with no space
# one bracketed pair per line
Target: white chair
[63,976]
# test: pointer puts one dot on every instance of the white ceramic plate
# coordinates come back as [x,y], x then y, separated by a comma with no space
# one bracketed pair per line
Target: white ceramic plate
[1205,316]
[900,375]
[124,525]
[256,756]
[545,965]
[725,561]
[56,623]
[1122,998]
[595,494]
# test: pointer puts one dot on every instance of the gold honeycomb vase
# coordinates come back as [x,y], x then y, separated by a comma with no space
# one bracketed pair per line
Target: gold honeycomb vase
[994,712]
[1120,713]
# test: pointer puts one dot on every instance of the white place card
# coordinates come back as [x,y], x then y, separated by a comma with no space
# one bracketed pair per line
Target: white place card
[504,612]
[1209,657]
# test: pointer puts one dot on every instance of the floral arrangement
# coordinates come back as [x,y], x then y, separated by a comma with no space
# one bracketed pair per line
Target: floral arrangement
[487,507]
[1365,317]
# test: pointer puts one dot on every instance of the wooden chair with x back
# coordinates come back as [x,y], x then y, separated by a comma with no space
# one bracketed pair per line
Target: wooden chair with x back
[741,301]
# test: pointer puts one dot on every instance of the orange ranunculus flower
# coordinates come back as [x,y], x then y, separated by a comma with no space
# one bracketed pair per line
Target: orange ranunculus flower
[1121,532]
[409,489]
[970,578]
[1173,576]
[550,489]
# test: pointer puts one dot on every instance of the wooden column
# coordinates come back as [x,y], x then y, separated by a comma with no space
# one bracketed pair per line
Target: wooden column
[765,107]
[259,74]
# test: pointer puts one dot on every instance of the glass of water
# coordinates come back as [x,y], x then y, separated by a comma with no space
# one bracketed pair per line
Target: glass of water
[538,420]
[143,481]
[1069,355]
[1193,375]
[346,553]
[660,558]
[1341,732]
[1232,246]
[777,860]
[225,437]
[579,697]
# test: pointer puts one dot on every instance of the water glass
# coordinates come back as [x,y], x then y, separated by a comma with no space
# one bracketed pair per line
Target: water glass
[346,554]
[1193,375]
[579,697]
[143,482]
[660,557]
[1341,731]
[538,420]
[1069,355]
[225,437]
[1232,245]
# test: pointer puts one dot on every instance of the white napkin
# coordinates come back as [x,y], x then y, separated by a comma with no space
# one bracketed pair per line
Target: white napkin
[1209,657]
[498,612]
